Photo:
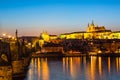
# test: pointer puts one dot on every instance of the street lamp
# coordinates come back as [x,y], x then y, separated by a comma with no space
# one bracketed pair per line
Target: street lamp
[9,36]
[4,34]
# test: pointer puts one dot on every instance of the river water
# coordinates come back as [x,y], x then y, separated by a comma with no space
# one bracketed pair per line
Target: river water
[74,68]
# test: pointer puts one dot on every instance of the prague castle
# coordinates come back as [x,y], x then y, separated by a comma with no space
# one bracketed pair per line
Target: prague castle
[93,28]
[93,32]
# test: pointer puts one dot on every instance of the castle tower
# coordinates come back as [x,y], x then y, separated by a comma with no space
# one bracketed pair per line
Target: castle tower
[91,27]
[92,24]
[88,24]
[45,36]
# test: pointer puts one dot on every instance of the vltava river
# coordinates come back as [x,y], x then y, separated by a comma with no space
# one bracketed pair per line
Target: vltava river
[74,68]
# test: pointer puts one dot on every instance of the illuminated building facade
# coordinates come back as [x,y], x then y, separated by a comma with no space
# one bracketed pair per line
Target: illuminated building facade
[52,37]
[93,28]
[93,32]
[115,35]
[45,36]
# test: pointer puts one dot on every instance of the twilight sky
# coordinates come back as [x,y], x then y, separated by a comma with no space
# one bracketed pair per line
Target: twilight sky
[31,17]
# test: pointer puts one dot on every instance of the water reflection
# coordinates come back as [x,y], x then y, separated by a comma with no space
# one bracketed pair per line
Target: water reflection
[70,66]
[109,64]
[38,69]
[74,68]
[93,67]
[100,65]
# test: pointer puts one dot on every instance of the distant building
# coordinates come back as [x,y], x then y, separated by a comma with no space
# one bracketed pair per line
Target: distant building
[93,32]
[45,36]
[51,47]
[29,40]
[93,28]
[98,32]
[52,37]
[73,35]
[115,35]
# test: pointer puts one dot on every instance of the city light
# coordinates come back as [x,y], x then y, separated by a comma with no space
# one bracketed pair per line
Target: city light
[9,36]
[4,34]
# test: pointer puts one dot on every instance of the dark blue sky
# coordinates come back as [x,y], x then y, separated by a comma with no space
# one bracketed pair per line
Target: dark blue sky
[31,17]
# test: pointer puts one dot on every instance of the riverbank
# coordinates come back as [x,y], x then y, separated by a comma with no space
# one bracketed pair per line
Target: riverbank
[106,54]
[75,55]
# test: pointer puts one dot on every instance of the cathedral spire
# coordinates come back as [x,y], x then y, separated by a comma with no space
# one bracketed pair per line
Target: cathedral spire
[16,33]
[88,24]
[92,23]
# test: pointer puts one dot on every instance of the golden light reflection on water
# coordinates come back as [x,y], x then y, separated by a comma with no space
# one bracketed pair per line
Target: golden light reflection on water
[109,64]
[88,71]
[93,67]
[30,72]
[84,60]
[39,68]
[117,64]
[45,69]
[100,65]
[32,69]
[65,62]
[72,71]
[71,64]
